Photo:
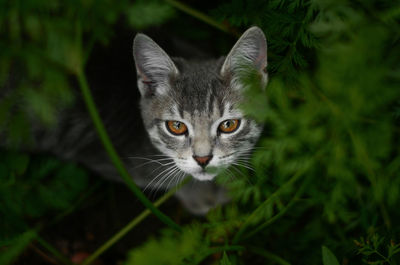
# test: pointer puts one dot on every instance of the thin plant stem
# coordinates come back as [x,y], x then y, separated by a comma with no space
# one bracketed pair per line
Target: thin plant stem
[280,214]
[54,252]
[217,250]
[58,256]
[44,255]
[203,17]
[112,153]
[271,198]
[129,226]
[74,206]
[268,255]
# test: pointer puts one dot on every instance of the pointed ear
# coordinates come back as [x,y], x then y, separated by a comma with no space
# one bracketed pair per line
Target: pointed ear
[249,53]
[154,67]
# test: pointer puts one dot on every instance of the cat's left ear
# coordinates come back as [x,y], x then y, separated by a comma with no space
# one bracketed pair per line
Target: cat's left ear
[153,66]
[249,52]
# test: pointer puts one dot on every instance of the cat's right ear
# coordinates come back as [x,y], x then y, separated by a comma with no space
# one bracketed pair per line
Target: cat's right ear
[248,54]
[153,66]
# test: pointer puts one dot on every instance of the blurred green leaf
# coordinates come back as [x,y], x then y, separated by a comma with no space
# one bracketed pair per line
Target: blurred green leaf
[33,187]
[170,248]
[143,14]
[10,250]
[225,260]
[328,258]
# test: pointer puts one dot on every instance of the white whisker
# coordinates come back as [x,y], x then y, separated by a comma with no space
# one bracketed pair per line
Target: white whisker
[245,162]
[149,162]
[168,168]
[158,185]
[173,178]
[241,173]
[165,178]
[146,158]
[243,165]
[231,175]
[180,179]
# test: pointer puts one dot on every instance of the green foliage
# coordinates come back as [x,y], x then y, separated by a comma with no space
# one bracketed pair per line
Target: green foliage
[12,248]
[31,187]
[329,153]
[143,14]
[373,251]
[328,258]
[171,248]
[196,244]
[42,43]
[40,47]
[286,24]
[225,260]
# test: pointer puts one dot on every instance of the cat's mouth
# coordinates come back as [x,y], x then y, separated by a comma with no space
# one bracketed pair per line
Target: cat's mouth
[208,173]
[203,175]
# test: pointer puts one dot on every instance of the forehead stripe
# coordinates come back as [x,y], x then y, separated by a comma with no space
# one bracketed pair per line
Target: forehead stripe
[211,102]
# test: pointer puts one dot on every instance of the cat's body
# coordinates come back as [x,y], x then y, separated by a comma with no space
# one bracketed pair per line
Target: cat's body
[189,121]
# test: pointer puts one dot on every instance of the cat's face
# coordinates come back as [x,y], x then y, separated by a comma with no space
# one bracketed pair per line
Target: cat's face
[191,110]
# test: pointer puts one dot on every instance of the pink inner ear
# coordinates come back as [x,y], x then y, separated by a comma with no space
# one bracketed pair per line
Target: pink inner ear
[144,78]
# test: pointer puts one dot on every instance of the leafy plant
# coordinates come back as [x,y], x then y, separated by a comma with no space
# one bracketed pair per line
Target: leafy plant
[171,248]
[39,50]
[32,187]
[328,258]
[372,250]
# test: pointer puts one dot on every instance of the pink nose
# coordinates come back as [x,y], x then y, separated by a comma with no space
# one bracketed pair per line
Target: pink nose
[202,160]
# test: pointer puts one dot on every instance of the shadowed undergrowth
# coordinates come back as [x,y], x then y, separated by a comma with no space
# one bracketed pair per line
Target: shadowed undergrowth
[322,185]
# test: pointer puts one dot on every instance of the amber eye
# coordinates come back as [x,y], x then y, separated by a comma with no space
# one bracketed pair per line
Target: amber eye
[176,127]
[229,126]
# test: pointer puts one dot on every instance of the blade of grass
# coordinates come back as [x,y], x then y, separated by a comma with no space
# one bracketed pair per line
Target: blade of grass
[271,198]
[75,205]
[43,255]
[281,213]
[130,226]
[203,17]
[218,250]
[268,255]
[290,182]
[54,252]
[10,250]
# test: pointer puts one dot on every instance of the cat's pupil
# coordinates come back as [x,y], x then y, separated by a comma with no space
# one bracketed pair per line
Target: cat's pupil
[177,125]
[227,124]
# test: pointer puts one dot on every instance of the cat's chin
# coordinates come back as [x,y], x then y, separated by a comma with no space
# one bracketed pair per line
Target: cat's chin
[203,176]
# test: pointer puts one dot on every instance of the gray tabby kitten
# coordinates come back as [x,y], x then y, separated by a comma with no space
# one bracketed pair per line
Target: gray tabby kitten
[191,110]
[191,121]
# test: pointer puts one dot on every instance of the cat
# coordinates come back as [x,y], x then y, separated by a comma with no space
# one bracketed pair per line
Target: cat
[190,123]
[191,110]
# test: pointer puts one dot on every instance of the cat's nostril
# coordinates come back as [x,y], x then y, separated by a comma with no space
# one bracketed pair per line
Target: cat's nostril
[202,160]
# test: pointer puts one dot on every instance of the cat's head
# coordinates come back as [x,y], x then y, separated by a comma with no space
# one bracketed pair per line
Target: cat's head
[191,110]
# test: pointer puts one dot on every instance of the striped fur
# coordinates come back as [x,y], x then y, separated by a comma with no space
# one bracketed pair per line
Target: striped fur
[201,95]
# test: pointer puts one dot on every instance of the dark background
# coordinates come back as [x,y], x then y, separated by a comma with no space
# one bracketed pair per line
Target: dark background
[325,185]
